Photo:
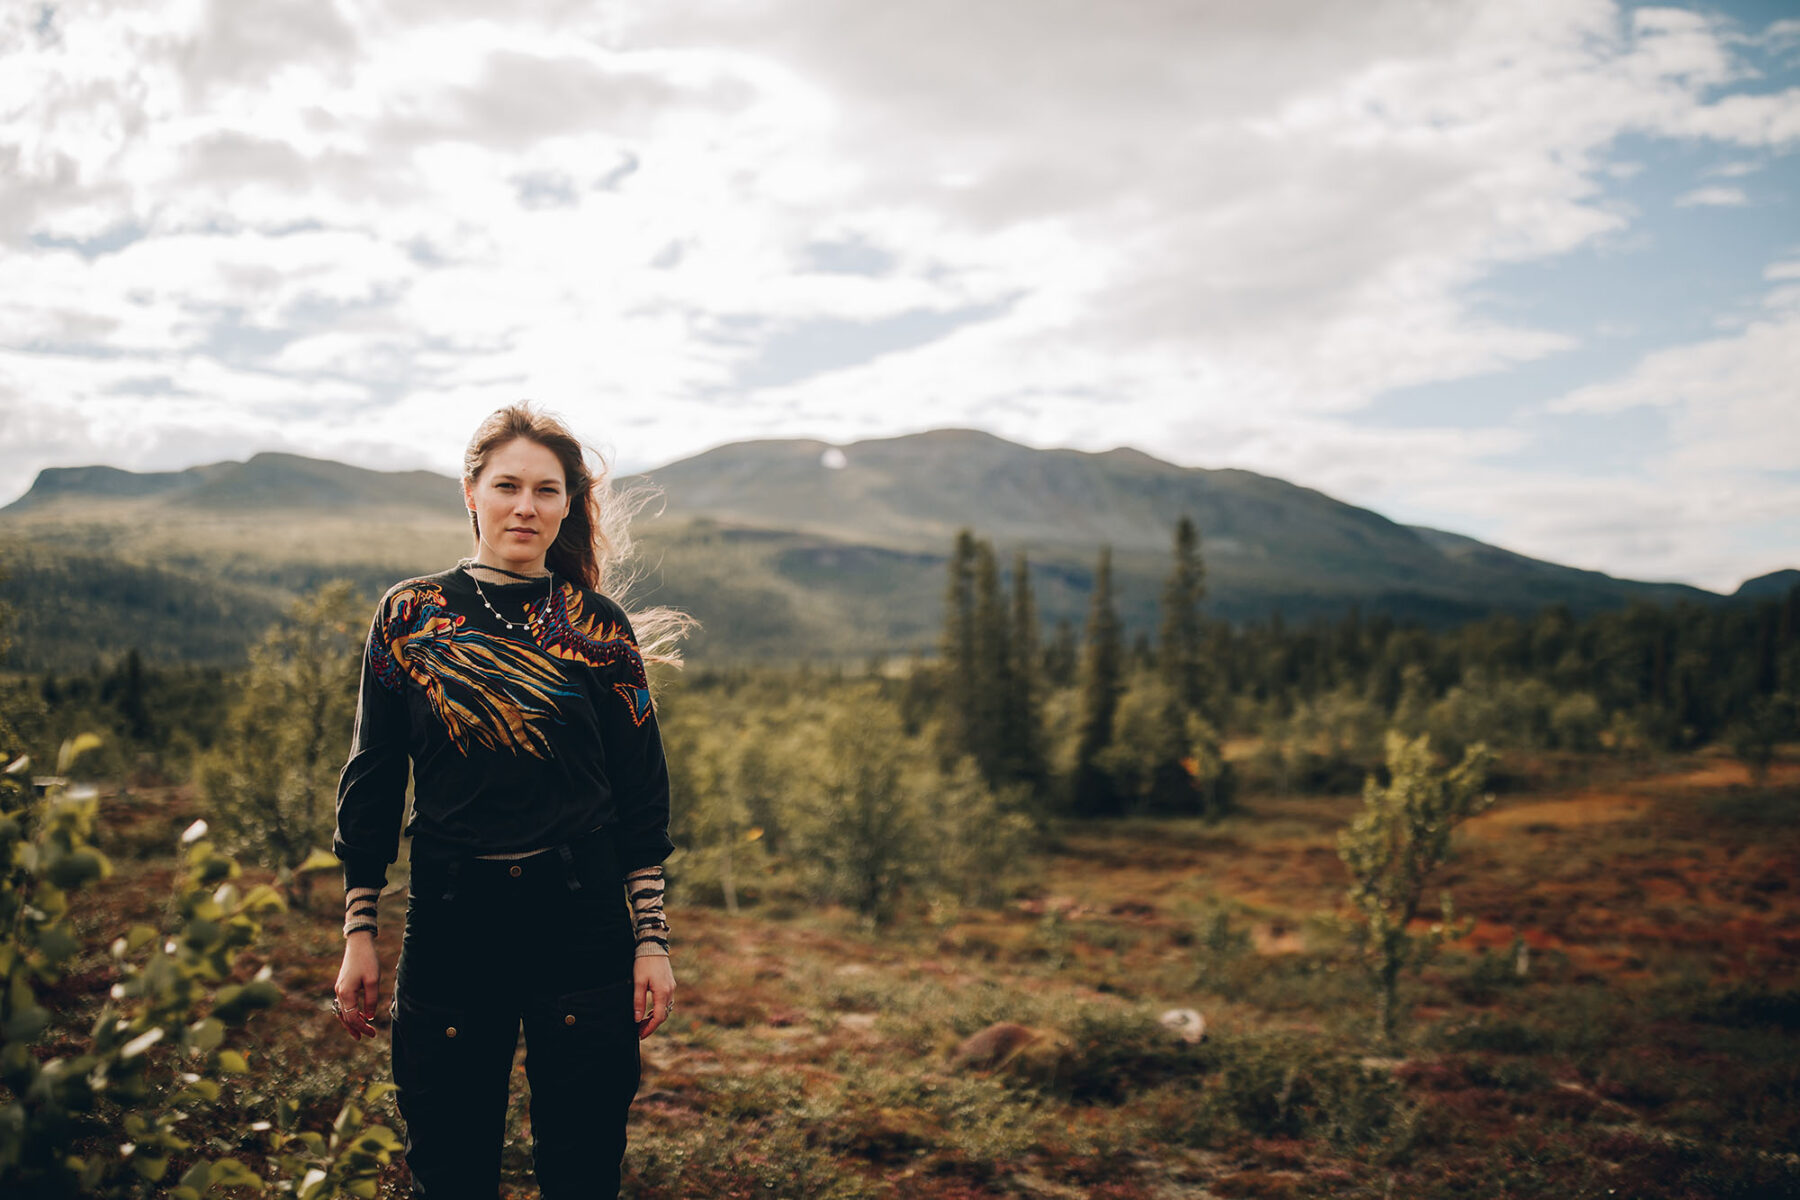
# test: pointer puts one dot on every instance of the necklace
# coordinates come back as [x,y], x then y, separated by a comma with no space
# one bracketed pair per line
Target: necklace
[469,565]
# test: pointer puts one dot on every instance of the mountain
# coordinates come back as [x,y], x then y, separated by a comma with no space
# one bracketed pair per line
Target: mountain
[1768,587]
[780,547]
[267,481]
[1269,545]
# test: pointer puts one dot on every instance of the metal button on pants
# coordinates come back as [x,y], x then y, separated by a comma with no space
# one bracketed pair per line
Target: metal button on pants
[545,942]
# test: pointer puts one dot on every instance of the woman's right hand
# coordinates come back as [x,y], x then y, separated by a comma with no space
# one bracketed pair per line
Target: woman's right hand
[358,985]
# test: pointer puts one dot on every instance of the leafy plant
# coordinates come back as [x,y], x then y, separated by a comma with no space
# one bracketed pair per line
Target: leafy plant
[1391,850]
[108,1119]
[272,780]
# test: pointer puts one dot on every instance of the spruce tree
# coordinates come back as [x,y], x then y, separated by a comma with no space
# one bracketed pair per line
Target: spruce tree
[1181,661]
[991,671]
[1025,727]
[957,659]
[1102,683]
[132,708]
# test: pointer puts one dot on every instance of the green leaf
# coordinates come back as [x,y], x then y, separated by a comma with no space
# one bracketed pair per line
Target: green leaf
[151,1167]
[363,1188]
[348,1118]
[25,1023]
[229,1172]
[206,1035]
[371,1142]
[205,1089]
[263,899]
[313,1185]
[73,749]
[378,1091]
[233,1063]
[235,1002]
[197,1177]
[77,868]
[56,944]
[320,860]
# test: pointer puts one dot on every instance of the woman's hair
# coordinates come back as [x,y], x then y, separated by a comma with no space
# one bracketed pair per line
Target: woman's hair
[593,547]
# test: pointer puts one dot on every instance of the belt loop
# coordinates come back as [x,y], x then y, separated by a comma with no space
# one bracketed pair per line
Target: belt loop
[568,860]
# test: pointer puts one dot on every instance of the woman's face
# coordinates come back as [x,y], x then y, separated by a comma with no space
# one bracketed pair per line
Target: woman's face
[519,501]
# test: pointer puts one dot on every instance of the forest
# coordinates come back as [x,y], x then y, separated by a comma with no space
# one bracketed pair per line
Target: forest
[1350,907]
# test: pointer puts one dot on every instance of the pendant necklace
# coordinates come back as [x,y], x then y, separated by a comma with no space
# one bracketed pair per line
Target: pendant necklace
[469,567]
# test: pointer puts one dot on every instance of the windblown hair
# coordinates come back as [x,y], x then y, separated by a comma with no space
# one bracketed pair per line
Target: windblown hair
[593,548]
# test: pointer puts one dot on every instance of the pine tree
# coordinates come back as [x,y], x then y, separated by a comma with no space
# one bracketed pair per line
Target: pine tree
[1181,661]
[131,699]
[1025,729]
[956,660]
[1102,681]
[991,671]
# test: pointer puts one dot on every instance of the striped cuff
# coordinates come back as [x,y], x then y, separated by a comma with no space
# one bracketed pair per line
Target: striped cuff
[359,909]
[644,888]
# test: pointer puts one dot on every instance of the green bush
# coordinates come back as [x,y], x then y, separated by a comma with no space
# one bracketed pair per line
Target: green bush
[1285,1085]
[1391,849]
[828,789]
[107,1118]
[1115,1053]
[271,781]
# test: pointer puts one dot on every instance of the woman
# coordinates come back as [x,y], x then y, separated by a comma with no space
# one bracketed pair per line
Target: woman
[513,685]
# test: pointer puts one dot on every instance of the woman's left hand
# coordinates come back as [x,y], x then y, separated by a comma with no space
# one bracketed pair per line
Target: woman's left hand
[653,996]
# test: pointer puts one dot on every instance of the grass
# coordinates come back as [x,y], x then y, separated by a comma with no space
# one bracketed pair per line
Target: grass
[1647,1049]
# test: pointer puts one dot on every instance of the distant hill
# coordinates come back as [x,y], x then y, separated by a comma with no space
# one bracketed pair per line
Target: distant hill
[1269,545]
[781,548]
[267,481]
[1775,583]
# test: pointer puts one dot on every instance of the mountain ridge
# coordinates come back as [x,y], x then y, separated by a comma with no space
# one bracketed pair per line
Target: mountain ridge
[793,546]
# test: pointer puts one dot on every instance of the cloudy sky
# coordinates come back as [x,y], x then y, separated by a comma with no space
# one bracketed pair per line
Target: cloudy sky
[1525,269]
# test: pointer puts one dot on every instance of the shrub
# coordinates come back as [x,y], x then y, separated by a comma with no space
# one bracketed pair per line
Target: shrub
[158,1050]
[871,816]
[271,782]
[1391,849]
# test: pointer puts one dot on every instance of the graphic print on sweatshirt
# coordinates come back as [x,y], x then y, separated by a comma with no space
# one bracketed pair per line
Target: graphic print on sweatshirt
[562,627]
[494,691]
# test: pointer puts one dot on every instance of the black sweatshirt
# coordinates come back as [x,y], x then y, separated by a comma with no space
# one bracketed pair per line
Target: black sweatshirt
[519,738]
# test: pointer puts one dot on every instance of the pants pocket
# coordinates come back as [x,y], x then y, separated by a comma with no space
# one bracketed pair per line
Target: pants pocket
[582,1063]
[451,1067]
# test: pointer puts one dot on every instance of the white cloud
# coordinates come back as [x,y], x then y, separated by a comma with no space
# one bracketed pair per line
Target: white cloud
[1719,498]
[1217,232]
[1717,197]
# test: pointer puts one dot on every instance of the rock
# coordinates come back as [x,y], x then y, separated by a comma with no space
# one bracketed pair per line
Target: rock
[1185,1023]
[1015,1049]
[994,1046]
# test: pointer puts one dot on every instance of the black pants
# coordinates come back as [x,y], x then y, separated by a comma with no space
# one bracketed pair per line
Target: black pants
[547,941]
